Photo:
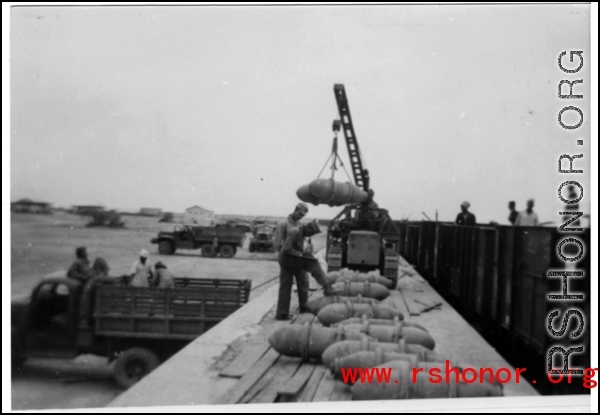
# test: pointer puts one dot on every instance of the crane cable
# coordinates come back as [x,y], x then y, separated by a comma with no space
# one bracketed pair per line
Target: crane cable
[336,157]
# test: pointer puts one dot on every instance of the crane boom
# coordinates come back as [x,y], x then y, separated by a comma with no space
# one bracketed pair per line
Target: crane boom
[360,175]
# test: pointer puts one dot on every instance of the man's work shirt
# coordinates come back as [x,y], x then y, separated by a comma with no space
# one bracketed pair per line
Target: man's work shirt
[281,231]
[80,270]
[527,219]
[467,219]
[163,279]
[294,242]
[141,273]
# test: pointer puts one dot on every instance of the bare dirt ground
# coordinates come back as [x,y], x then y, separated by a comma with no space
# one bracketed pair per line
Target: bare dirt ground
[45,244]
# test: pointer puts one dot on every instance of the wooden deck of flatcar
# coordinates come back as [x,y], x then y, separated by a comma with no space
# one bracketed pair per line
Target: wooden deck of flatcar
[265,376]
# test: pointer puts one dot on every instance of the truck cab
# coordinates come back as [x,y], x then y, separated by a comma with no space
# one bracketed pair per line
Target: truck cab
[46,324]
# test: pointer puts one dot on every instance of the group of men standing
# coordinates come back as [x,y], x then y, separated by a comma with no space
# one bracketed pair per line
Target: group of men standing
[525,218]
[296,261]
[142,274]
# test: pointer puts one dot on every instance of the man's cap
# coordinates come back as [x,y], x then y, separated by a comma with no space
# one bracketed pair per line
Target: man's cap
[314,227]
[159,264]
[144,253]
[466,204]
[303,207]
[531,200]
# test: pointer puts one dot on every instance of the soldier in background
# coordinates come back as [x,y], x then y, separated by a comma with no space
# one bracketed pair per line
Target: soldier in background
[465,217]
[215,247]
[80,270]
[141,271]
[527,217]
[512,217]
[162,277]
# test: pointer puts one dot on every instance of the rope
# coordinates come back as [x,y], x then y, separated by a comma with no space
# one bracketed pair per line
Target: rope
[346,171]
[328,158]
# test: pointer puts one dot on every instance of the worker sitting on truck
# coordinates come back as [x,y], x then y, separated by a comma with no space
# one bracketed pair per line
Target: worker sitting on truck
[291,258]
[100,271]
[141,272]
[80,269]
[162,277]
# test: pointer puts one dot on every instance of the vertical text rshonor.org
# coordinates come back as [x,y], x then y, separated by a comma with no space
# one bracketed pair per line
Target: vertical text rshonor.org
[575,62]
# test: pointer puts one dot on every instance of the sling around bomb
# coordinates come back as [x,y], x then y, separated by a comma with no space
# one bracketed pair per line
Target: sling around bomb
[317,304]
[379,322]
[356,276]
[366,289]
[348,347]
[393,334]
[334,313]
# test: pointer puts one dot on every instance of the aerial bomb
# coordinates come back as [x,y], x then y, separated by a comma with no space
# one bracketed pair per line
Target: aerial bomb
[379,322]
[393,334]
[361,277]
[334,313]
[332,193]
[366,289]
[348,347]
[309,341]
[401,385]
[316,304]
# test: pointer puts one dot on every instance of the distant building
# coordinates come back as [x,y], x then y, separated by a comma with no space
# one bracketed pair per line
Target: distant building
[199,215]
[30,206]
[83,209]
[150,212]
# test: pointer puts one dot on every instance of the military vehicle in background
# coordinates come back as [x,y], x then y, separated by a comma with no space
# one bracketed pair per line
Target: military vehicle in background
[203,238]
[262,239]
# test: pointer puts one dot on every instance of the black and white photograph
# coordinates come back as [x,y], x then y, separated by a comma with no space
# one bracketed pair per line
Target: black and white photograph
[359,207]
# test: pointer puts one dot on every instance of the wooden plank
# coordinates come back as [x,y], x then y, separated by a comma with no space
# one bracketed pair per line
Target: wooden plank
[242,364]
[293,386]
[269,393]
[235,394]
[266,379]
[325,388]
[341,392]
[313,383]
[412,307]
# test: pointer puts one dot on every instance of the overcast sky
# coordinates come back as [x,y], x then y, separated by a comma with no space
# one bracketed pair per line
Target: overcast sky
[231,108]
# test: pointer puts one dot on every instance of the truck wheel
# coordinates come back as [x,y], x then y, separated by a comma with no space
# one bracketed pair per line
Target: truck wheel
[206,250]
[133,364]
[227,251]
[165,248]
